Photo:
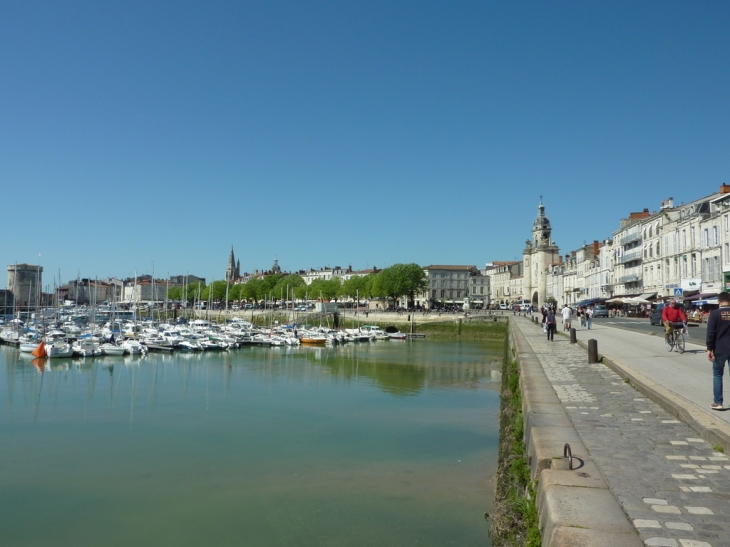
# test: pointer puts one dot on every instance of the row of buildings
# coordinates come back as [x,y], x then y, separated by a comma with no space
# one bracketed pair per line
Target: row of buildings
[678,250]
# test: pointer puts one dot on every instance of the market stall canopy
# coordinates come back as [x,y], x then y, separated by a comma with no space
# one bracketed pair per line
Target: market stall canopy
[616,300]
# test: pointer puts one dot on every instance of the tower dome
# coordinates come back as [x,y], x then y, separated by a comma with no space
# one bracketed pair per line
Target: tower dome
[541,221]
[275,268]
[541,227]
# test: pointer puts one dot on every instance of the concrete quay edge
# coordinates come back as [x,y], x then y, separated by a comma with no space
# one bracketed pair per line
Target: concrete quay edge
[575,507]
[701,422]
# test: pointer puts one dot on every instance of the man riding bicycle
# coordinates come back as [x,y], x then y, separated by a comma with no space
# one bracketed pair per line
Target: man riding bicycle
[672,317]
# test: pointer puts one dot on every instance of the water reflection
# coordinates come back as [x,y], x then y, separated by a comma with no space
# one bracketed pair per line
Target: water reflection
[374,443]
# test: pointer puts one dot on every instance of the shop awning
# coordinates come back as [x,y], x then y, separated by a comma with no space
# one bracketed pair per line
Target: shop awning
[647,296]
[703,302]
[701,296]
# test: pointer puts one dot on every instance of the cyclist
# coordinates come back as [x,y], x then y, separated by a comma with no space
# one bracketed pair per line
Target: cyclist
[672,314]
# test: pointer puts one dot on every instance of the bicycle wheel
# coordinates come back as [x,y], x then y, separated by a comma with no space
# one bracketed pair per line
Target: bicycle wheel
[680,342]
[669,342]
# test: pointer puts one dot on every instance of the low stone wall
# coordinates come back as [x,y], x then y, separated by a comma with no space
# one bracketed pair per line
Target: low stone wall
[575,506]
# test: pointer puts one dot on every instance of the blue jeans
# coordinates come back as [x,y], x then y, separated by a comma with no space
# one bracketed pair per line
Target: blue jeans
[589,319]
[718,367]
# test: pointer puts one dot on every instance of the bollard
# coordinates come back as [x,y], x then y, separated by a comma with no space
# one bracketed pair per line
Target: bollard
[592,351]
[573,338]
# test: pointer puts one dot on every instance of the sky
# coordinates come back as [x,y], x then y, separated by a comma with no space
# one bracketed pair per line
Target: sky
[141,135]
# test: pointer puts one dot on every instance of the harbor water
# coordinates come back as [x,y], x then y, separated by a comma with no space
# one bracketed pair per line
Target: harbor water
[380,443]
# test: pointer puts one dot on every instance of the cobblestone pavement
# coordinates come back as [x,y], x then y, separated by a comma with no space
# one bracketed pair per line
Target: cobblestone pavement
[672,485]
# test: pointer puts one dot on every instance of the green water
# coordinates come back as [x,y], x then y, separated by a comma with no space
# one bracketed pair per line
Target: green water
[368,444]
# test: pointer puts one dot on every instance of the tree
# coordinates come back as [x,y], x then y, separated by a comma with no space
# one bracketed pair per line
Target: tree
[250,290]
[357,285]
[175,293]
[400,280]
[288,282]
[328,289]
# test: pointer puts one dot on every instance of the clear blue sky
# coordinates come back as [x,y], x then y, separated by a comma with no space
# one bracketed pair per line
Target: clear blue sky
[336,133]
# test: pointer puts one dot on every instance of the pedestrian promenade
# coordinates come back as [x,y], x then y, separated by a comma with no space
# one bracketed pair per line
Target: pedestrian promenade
[671,483]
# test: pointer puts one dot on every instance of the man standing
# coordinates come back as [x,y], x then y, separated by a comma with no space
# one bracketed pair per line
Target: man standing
[566,312]
[671,314]
[718,345]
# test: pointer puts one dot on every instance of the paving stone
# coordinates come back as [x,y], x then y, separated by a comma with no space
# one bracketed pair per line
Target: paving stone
[641,460]
[679,526]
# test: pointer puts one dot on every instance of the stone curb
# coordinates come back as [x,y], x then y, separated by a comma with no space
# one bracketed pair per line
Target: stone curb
[575,507]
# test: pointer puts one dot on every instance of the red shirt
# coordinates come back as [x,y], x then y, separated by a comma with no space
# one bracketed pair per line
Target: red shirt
[673,315]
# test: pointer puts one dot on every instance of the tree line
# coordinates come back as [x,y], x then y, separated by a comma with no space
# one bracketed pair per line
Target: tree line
[393,282]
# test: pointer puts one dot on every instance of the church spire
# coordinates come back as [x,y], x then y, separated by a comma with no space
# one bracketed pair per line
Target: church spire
[233,269]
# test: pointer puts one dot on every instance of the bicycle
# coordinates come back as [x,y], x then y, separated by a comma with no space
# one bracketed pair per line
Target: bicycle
[675,338]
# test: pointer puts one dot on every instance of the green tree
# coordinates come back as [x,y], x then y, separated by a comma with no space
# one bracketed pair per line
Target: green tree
[400,280]
[357,285]
[193,291]
[250,290]
[326,289]
[175,293]
[288,282]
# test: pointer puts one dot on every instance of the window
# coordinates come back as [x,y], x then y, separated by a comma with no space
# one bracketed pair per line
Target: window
[658,249]
[715,237]
[676,267]
[727,252]
[649,231]
[704,237]
[684,239]
[727,223]
[433,293]
[694,265]
[443,293]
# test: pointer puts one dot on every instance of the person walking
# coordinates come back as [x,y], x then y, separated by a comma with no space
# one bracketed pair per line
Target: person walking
[566,312]
[551,324]
[544,319]
[589,316]
[718,346]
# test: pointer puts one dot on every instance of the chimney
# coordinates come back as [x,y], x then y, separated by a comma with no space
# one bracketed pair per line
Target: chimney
[596,248]
[725,188]
[669,203]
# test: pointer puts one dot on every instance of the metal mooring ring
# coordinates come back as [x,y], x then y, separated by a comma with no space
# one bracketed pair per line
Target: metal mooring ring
[568,453]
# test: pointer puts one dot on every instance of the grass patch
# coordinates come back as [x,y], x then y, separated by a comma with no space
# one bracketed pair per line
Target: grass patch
[718,448]
[466,330]
[515,520]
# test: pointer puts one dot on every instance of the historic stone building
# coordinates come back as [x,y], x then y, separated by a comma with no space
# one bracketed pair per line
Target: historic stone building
[25,282]
[233,271]
[539,256]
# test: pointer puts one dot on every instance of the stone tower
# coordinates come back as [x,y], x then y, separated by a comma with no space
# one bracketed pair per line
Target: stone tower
[233,271]
[539,255]
[25,282]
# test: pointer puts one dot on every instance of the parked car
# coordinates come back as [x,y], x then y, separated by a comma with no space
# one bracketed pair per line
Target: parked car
[656,315]
[600,310]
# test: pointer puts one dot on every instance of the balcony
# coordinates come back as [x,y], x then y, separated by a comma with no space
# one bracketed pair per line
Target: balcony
[630,238]
[631,256]
[631,278]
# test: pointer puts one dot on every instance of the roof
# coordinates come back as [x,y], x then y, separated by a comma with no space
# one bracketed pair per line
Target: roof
[448,267]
